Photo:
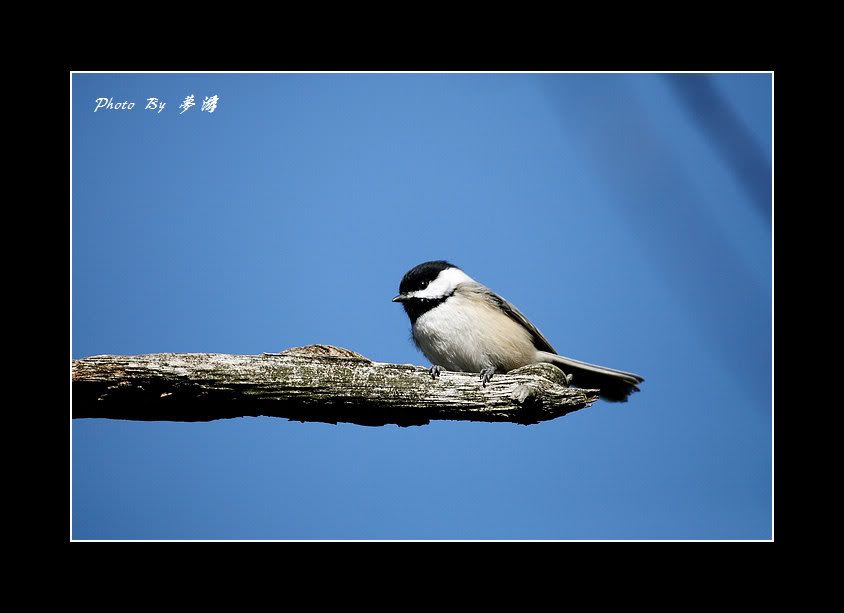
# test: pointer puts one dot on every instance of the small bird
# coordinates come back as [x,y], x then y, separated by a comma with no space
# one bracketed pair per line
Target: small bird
[461,325]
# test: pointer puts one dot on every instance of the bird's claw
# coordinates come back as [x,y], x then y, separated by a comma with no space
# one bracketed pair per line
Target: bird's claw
[486,375]
[435,371]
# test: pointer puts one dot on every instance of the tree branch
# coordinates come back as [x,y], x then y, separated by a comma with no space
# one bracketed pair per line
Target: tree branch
[317,383]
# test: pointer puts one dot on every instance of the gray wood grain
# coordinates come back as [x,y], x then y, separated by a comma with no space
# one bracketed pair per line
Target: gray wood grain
[317,383]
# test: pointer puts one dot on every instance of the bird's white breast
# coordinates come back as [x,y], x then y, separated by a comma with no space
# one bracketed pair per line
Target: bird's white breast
[465,334]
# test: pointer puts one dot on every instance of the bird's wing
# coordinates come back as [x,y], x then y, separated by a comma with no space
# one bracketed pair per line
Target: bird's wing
[539,341]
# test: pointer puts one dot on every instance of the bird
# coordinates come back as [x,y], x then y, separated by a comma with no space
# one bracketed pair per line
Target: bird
[461,325]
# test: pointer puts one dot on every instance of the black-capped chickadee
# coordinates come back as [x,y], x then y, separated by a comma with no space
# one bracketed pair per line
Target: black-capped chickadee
[461,325]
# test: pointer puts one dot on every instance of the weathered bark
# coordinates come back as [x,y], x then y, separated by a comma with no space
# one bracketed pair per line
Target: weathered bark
[315,383]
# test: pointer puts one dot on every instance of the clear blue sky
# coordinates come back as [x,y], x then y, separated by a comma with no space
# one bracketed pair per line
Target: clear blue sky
[628,216]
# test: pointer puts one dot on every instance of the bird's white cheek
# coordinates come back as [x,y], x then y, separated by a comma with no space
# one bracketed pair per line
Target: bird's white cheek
[444,284]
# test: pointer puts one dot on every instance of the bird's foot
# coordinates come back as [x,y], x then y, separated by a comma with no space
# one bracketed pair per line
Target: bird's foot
[486,375]
[435,371]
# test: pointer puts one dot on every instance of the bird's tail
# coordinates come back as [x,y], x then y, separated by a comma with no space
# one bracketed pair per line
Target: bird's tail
[615,385]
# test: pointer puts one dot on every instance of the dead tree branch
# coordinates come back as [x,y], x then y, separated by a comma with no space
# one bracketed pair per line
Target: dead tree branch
[317,383]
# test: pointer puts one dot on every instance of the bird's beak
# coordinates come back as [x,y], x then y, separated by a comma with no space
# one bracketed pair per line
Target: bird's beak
[401,298]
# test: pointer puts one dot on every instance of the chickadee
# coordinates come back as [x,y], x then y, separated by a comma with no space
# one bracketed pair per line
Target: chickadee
[462,325]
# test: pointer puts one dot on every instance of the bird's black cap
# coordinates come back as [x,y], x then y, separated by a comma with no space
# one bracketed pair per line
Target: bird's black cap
[420,276]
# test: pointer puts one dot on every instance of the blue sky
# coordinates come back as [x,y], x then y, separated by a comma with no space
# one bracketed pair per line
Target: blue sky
[622,217]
